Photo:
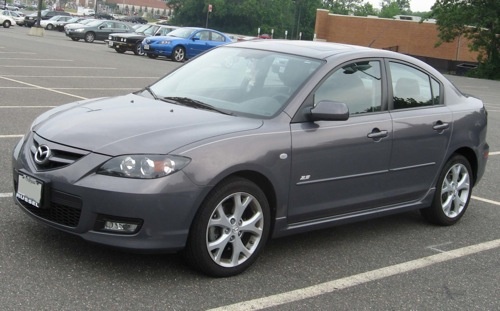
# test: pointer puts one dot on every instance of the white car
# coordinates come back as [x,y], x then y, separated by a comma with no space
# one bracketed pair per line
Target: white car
[6,20]
[52,22]
[77,25]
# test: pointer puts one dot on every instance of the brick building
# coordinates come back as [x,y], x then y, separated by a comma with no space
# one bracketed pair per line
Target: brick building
[404,36]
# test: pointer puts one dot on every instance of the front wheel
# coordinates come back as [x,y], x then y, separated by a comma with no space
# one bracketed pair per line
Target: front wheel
[89,37]
[152,55]
[453,191]
[50,27]
[120,50]
[6,24]
[138,49]
[75,39]
[179,54]
[230,229]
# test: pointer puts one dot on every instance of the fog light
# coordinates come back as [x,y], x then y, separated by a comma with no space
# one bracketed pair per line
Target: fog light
[120,226]
[114,224]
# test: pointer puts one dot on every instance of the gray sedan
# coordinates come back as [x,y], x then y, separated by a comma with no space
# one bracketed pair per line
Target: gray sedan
[250,141]
[97,30]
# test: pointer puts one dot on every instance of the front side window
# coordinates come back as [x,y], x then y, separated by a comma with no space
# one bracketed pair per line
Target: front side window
[412,87]
[358,85]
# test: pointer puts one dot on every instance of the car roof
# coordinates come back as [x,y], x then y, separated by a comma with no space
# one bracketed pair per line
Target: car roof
[316,49]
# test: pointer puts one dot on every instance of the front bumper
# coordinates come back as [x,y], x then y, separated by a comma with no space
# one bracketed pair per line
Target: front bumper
[157,49]
[75,200]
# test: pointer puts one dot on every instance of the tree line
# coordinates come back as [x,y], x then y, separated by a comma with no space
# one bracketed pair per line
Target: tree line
[477,20]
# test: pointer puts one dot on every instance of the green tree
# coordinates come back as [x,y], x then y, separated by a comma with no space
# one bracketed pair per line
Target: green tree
[390,9]
[476,20]
[365,10]
[343,7]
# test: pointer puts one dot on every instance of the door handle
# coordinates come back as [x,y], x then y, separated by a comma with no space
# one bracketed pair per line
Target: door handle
[440,126]
[377,134]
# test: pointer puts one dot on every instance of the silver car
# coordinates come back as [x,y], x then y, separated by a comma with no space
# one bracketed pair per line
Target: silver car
[254,140]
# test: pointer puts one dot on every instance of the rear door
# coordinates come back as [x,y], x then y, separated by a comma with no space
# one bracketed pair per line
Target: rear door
[422,127]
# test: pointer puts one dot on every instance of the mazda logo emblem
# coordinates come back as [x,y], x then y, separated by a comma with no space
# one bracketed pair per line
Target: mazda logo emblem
[42,155]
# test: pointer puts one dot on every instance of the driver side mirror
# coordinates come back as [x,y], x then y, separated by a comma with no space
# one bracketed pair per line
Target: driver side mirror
[327,110]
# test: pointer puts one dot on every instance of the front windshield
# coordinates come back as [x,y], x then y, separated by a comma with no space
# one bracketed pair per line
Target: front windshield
[181,32]
[142,28]
[239,81]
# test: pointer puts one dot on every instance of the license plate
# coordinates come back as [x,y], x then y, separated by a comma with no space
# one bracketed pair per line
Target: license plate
[111,43]
[29,190]
[146,47]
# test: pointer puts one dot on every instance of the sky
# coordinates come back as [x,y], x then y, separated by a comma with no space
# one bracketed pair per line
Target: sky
[415,5]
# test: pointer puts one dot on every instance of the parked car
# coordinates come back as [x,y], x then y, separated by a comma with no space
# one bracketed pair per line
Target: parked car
[6,20]
[78,24]
[59,25]
[30,20]
[97,30]
[16,17]
[134,19]
[122,42]
[183,43]
[253,140]
[103,15]
[9,7]
[52,23]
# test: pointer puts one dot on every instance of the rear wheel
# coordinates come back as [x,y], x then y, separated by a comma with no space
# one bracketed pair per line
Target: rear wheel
[89,37]
[179,54]
[138,49]
[230,229]
[453,191]
[6,24]
[75,39]
[50,27]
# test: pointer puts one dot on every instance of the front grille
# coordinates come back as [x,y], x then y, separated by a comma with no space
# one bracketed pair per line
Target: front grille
[64,209]
[60,155]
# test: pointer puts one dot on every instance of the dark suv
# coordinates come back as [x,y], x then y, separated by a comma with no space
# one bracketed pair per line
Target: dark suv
[30,20]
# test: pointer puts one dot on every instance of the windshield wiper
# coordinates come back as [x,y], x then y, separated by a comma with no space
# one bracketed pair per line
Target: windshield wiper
[194,104]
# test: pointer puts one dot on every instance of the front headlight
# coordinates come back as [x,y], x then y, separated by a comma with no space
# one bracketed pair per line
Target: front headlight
[145,166]
[79,30]
[164,42]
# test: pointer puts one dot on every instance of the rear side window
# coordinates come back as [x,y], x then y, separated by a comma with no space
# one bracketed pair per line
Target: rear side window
[412,87]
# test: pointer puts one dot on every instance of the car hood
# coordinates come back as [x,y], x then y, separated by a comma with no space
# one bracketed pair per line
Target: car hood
[134,124]
[128,35]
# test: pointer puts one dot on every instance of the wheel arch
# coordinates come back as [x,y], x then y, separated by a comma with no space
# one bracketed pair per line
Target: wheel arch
[471,157]
[260,180]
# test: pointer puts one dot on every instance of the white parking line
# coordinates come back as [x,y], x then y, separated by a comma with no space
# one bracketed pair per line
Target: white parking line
[495,153]
[58,67]
[11,136]
[358,279]
[14,107]
[77,77]
[6,195]
[38,59]
[42,88]
[485,200]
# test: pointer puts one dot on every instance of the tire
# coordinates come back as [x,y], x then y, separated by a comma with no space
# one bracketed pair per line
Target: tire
[6,24]
[120,50]
[179,54]
[138,49]
[152,55]
[75,39]
[50,27]
[89,37]
[453,191]
[230,229]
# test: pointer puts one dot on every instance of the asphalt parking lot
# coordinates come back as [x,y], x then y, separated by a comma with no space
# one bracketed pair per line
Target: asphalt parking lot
[393,263]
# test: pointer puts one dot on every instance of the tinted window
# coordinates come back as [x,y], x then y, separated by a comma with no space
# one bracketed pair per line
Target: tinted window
[356,84]
[411,87]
